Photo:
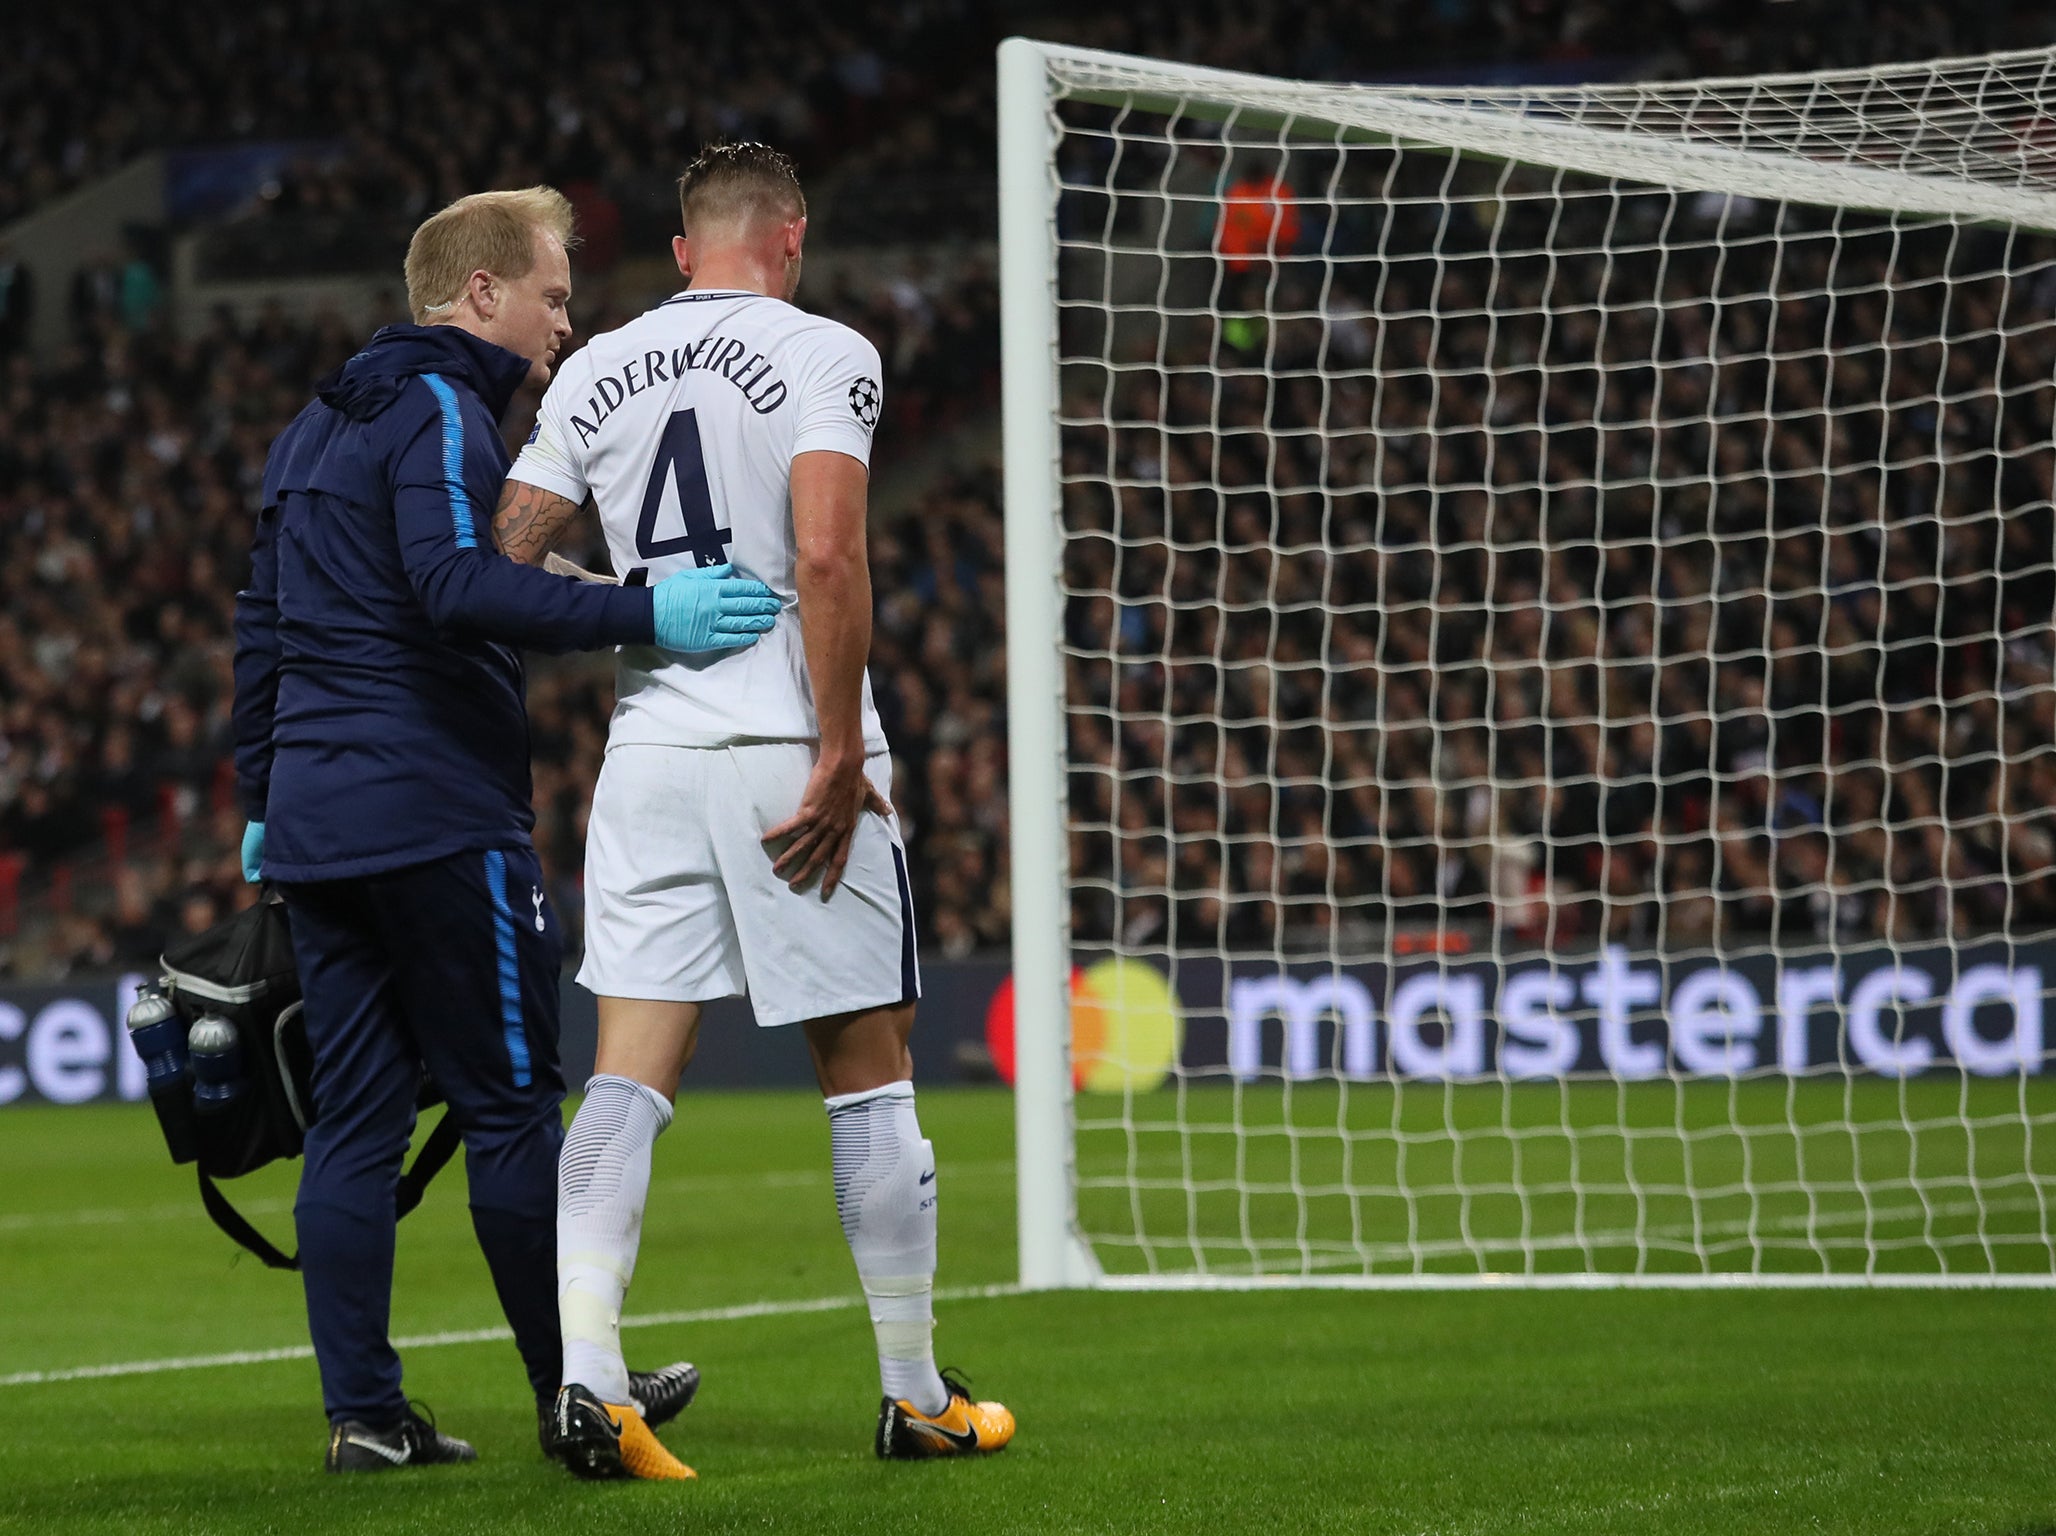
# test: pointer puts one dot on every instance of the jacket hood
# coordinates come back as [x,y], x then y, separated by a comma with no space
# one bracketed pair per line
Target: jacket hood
[376,376]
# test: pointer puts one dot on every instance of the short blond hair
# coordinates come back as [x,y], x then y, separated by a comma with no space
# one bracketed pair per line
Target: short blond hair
[485,232]
[729,184]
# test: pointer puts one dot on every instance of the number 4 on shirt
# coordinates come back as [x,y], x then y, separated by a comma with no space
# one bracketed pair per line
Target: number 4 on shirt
[680,460]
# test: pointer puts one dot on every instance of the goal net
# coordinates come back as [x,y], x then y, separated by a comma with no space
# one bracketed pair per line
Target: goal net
[1533,748]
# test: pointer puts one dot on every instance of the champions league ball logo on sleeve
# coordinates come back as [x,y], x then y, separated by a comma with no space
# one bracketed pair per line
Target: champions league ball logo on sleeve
[864,401]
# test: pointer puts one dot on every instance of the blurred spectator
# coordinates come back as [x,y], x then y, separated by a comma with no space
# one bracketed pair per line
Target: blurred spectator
[95,294]
[140,293]
[1259,219]
[17,301]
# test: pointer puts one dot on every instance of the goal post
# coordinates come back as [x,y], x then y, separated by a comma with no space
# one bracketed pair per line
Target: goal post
[1531,679]
[1051,1254]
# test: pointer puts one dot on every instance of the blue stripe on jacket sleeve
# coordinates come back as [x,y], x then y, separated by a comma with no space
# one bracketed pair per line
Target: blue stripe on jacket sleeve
[453,459]
[509,970]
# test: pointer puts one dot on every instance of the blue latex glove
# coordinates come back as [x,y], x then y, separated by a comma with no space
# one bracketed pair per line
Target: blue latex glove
[253,851]
[712,609]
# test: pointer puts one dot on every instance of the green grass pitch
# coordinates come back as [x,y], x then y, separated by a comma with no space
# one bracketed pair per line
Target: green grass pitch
[1403,1412]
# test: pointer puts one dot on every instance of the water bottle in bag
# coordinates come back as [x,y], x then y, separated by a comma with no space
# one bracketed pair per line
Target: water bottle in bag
[216,1053]
[159,1036]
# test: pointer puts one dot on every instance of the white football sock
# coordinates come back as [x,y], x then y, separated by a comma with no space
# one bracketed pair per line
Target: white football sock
[603,1178]
[885,1193]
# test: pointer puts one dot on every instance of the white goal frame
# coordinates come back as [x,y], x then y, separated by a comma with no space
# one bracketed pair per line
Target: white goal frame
[1053,1253]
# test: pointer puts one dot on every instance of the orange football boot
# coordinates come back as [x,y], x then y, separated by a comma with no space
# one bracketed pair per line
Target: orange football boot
[609,1440]
[965,1427]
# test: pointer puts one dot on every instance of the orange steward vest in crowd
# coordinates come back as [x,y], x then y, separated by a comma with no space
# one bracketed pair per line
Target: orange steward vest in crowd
[1258,217]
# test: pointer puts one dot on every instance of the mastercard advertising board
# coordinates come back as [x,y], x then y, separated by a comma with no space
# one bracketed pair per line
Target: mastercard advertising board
[1137,1024]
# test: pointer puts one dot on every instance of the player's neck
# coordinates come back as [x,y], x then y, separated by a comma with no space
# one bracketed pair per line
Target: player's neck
[738,274]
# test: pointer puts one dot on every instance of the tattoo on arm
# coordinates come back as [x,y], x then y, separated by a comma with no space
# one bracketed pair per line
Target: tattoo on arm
[530,521]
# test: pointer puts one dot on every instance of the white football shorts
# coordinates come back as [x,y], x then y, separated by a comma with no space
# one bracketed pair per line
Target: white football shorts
[681,903]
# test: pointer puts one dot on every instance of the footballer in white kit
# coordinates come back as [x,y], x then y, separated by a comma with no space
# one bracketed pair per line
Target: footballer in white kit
[741,838]
[683,425]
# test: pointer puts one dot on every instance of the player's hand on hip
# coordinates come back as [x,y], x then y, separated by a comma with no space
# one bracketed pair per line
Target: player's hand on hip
[816,838]
[712,609]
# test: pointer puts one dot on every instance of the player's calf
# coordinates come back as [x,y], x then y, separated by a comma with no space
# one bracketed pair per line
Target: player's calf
[603,1181]
[885,1194]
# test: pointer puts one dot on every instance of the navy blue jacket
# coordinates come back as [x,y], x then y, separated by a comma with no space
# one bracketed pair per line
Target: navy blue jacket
[379,713]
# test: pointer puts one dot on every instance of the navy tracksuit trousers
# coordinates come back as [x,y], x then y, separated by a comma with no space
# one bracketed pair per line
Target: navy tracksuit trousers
[452,967]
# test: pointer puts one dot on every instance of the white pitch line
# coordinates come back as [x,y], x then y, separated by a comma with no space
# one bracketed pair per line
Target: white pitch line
[479,1336]
[151,1367]
[32,1221]
[1431,1247]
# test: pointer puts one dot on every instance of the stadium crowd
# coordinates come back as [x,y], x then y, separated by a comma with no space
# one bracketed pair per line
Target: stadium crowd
[1716,678]
[406,106]
[1491,586]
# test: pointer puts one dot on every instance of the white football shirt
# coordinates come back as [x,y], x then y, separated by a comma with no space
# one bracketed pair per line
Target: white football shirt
[683,425]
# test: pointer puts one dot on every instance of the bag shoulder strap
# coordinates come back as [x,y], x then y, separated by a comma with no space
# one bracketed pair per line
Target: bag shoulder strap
[433,1157]
[428,1162]
[237,1226]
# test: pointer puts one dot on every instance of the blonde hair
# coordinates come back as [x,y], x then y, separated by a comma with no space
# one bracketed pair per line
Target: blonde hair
[485,232]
